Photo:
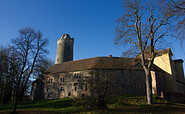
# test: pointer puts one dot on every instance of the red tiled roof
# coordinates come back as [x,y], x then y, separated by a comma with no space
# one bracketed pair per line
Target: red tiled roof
[97,63]
[94,63]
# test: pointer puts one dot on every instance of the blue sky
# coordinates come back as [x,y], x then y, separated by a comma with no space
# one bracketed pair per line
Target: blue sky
[90,22]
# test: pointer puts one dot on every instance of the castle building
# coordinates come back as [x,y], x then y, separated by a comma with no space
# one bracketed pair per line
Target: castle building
[66,77]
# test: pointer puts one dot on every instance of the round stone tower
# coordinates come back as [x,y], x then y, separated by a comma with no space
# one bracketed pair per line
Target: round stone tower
[64,49]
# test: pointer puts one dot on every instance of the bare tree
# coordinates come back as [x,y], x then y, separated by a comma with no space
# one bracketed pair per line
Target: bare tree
[102,84]
[140,29]
[4,54]
[30,47]
[42,66]
[7,68]
[177,9]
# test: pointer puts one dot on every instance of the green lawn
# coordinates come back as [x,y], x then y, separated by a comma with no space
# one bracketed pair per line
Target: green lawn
[118,104]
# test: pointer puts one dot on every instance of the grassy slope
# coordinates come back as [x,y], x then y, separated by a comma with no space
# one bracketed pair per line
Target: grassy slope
[118,104]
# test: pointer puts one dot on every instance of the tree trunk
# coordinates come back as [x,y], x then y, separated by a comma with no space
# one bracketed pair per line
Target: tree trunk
[149,87]
[16,98]
[15,105]
[101,103]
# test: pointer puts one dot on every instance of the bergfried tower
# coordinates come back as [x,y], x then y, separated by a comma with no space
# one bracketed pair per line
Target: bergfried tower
[64,49]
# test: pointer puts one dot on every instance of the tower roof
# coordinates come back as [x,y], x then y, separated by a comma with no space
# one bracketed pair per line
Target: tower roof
[65,36]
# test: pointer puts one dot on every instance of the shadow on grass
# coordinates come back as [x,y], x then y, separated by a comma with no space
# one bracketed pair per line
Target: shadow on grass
[42,104]
[149,109]
[117,104]
[59,103]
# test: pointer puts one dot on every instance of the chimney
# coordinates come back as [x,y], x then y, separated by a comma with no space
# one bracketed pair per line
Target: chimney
[110,56]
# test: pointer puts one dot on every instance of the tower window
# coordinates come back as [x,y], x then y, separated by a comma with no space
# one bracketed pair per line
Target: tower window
[68,48]
[75,89]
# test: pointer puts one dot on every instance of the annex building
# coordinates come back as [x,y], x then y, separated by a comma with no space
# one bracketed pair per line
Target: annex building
[67,77]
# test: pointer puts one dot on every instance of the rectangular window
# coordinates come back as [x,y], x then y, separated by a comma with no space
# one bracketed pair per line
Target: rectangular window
[50,80]
[62,89]
[69,94]
[75,84]
[130,73]
[85,87]
[62,79]
[123,85]
[131,86]
[75,88]
[75,76]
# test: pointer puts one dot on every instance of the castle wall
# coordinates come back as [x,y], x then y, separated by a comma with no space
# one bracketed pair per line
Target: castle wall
[37,90]
[179,76]
[70,84]
[73,84]
[165,63]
